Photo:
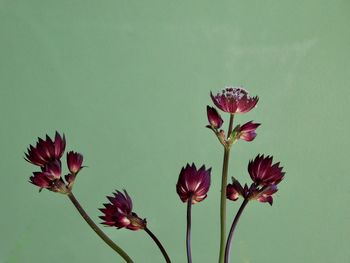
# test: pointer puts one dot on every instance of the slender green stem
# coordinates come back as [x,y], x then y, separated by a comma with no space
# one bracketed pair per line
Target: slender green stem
[233,226]
[223,195]
[160,246]
[188,232]
[97,230]
[230,126]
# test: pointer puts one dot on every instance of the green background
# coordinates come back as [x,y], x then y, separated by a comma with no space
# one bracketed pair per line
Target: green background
[128,83]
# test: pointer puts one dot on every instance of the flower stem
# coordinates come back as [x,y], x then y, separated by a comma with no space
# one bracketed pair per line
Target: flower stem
[160,246]
[188,232]
[233,226]
[97,230]
[223,195]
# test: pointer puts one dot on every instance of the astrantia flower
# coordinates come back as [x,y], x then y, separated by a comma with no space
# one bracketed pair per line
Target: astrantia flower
[235,190]
[46,151]
[193,183]
[74,162]
[234,100]
[119,212]
[41,180]
[214,118]
[263,172]
[264,194]
[52,170]
[247,131]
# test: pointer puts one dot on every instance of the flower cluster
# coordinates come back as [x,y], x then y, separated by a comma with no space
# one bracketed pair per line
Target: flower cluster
[232,100]
[119,212]
[192,185]
[47,155]
[265,176]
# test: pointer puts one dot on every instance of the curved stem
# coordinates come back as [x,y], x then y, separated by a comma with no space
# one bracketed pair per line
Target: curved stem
[223,195]
[233,226]
[188,233]
[98,231]
[160,246]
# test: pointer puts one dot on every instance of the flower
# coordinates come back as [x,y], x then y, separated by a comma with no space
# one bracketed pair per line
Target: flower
[119,213]
[263,173]
[247,131]
[41,180]
[46,150]
[74,162]
[52,170]
[234,100]
[193,183]
[214,118]
[234,190]
[265,194]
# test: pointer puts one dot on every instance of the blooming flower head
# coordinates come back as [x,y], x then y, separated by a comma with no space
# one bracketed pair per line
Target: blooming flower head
[263,172]
[247,131]
[74,162]
[193,183]
[119,212]
[234,100]
[214,118]
[46,150]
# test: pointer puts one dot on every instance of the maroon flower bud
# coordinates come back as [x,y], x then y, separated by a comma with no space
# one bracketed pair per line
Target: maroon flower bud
[263,173]
[119,213]
[74,162]
[234,100]
[193,183]
[46,150]
[234,190]
[247,131]
[214,118]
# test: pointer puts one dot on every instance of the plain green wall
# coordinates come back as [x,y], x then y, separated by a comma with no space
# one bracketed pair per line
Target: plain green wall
[128,83]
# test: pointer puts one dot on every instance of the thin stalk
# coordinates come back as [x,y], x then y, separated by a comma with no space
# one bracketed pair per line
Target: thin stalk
[160,246]
[232,230]
[188,232]
[223,195]
[97,230]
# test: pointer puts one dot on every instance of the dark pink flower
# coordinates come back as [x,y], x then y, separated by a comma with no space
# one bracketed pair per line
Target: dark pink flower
[193,183]
[234,100]
[46,151]
[235,190]
[52,170]
[263,172]
[42,180]
[74,162]
[247,131]
[264,194]
[119,212]
[214,118]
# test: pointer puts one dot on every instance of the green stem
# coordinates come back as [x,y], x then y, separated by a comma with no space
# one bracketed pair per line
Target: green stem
[223,195]
[233,227]
[97,230]
[159,244]
[188,232]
